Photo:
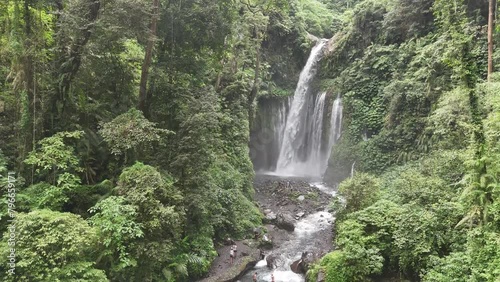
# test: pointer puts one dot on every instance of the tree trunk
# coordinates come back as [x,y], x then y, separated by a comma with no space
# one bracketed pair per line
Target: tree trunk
[143,93]
[27,127]
[69,64]
[255,88]
[491,28]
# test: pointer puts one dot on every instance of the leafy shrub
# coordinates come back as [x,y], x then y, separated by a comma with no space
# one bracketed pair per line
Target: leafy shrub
[130,131]
[115,222]
[451,122]
[358,193]
[52,246]
[362,257]
[334,266]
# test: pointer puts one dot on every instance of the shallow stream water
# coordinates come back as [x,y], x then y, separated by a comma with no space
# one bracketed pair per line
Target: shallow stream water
[302,239]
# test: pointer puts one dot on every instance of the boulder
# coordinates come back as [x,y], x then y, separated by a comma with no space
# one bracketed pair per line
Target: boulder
[270,218]
[237,270]
[265,243]
[296,266]
[285,221]
[301,265]
[271,260]
[307,260]
[299,215]
[301,198]
[321,276]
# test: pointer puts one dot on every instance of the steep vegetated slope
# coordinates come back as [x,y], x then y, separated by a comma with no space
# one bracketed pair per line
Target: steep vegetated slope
[421,130]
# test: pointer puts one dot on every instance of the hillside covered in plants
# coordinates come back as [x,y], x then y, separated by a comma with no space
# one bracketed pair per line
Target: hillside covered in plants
[421,123]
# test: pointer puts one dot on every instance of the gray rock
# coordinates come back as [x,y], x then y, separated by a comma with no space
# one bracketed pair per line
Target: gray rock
[301,198]
[296,266]
[321,276]
[271,260]
[301,265]
[270,218]
[285,221]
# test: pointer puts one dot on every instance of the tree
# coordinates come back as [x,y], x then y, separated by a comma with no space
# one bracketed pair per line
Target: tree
[358,193]
[130,131]
[54,156]
[117,229]
[143,93]
[160,215]
[491,28]
[60,247]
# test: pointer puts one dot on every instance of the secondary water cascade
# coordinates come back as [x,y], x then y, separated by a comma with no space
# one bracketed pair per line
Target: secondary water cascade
[304,137]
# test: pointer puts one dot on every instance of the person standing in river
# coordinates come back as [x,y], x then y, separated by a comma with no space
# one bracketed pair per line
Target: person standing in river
[254,278]
[231,255]
[235,249]
[272,277]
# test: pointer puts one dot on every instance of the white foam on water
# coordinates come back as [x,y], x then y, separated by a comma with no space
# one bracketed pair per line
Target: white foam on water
[324,188]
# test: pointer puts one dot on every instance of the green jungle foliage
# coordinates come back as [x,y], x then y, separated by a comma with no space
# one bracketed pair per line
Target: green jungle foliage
[421,127]
[111,190]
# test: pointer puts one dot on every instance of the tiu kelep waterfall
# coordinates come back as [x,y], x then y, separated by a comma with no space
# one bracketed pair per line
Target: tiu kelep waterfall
[304,148]
[294,141]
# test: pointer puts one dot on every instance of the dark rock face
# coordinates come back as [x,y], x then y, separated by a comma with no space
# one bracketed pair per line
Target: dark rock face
[308,259]
[302,265]
[285,221]
[271,260]
[296,266]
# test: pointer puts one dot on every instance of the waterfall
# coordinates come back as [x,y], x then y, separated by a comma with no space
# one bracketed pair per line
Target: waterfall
[280,121]
[293,137]
[315,155]
[335,126]
[294,157]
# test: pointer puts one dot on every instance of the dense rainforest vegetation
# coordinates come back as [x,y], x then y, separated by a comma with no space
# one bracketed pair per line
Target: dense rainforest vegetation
[421,127]
[126,124]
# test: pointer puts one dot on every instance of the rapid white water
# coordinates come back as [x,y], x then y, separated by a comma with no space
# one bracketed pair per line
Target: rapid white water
[306,144]
[303,239]
[291,159]
[315,159]
[335,126]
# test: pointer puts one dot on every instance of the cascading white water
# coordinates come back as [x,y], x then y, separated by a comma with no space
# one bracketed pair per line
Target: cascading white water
[335,127]
[295,139]
[280,122]
[315,159]
[304,239]
[291,159]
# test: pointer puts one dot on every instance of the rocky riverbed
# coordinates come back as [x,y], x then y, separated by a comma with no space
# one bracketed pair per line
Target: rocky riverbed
[297,226]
